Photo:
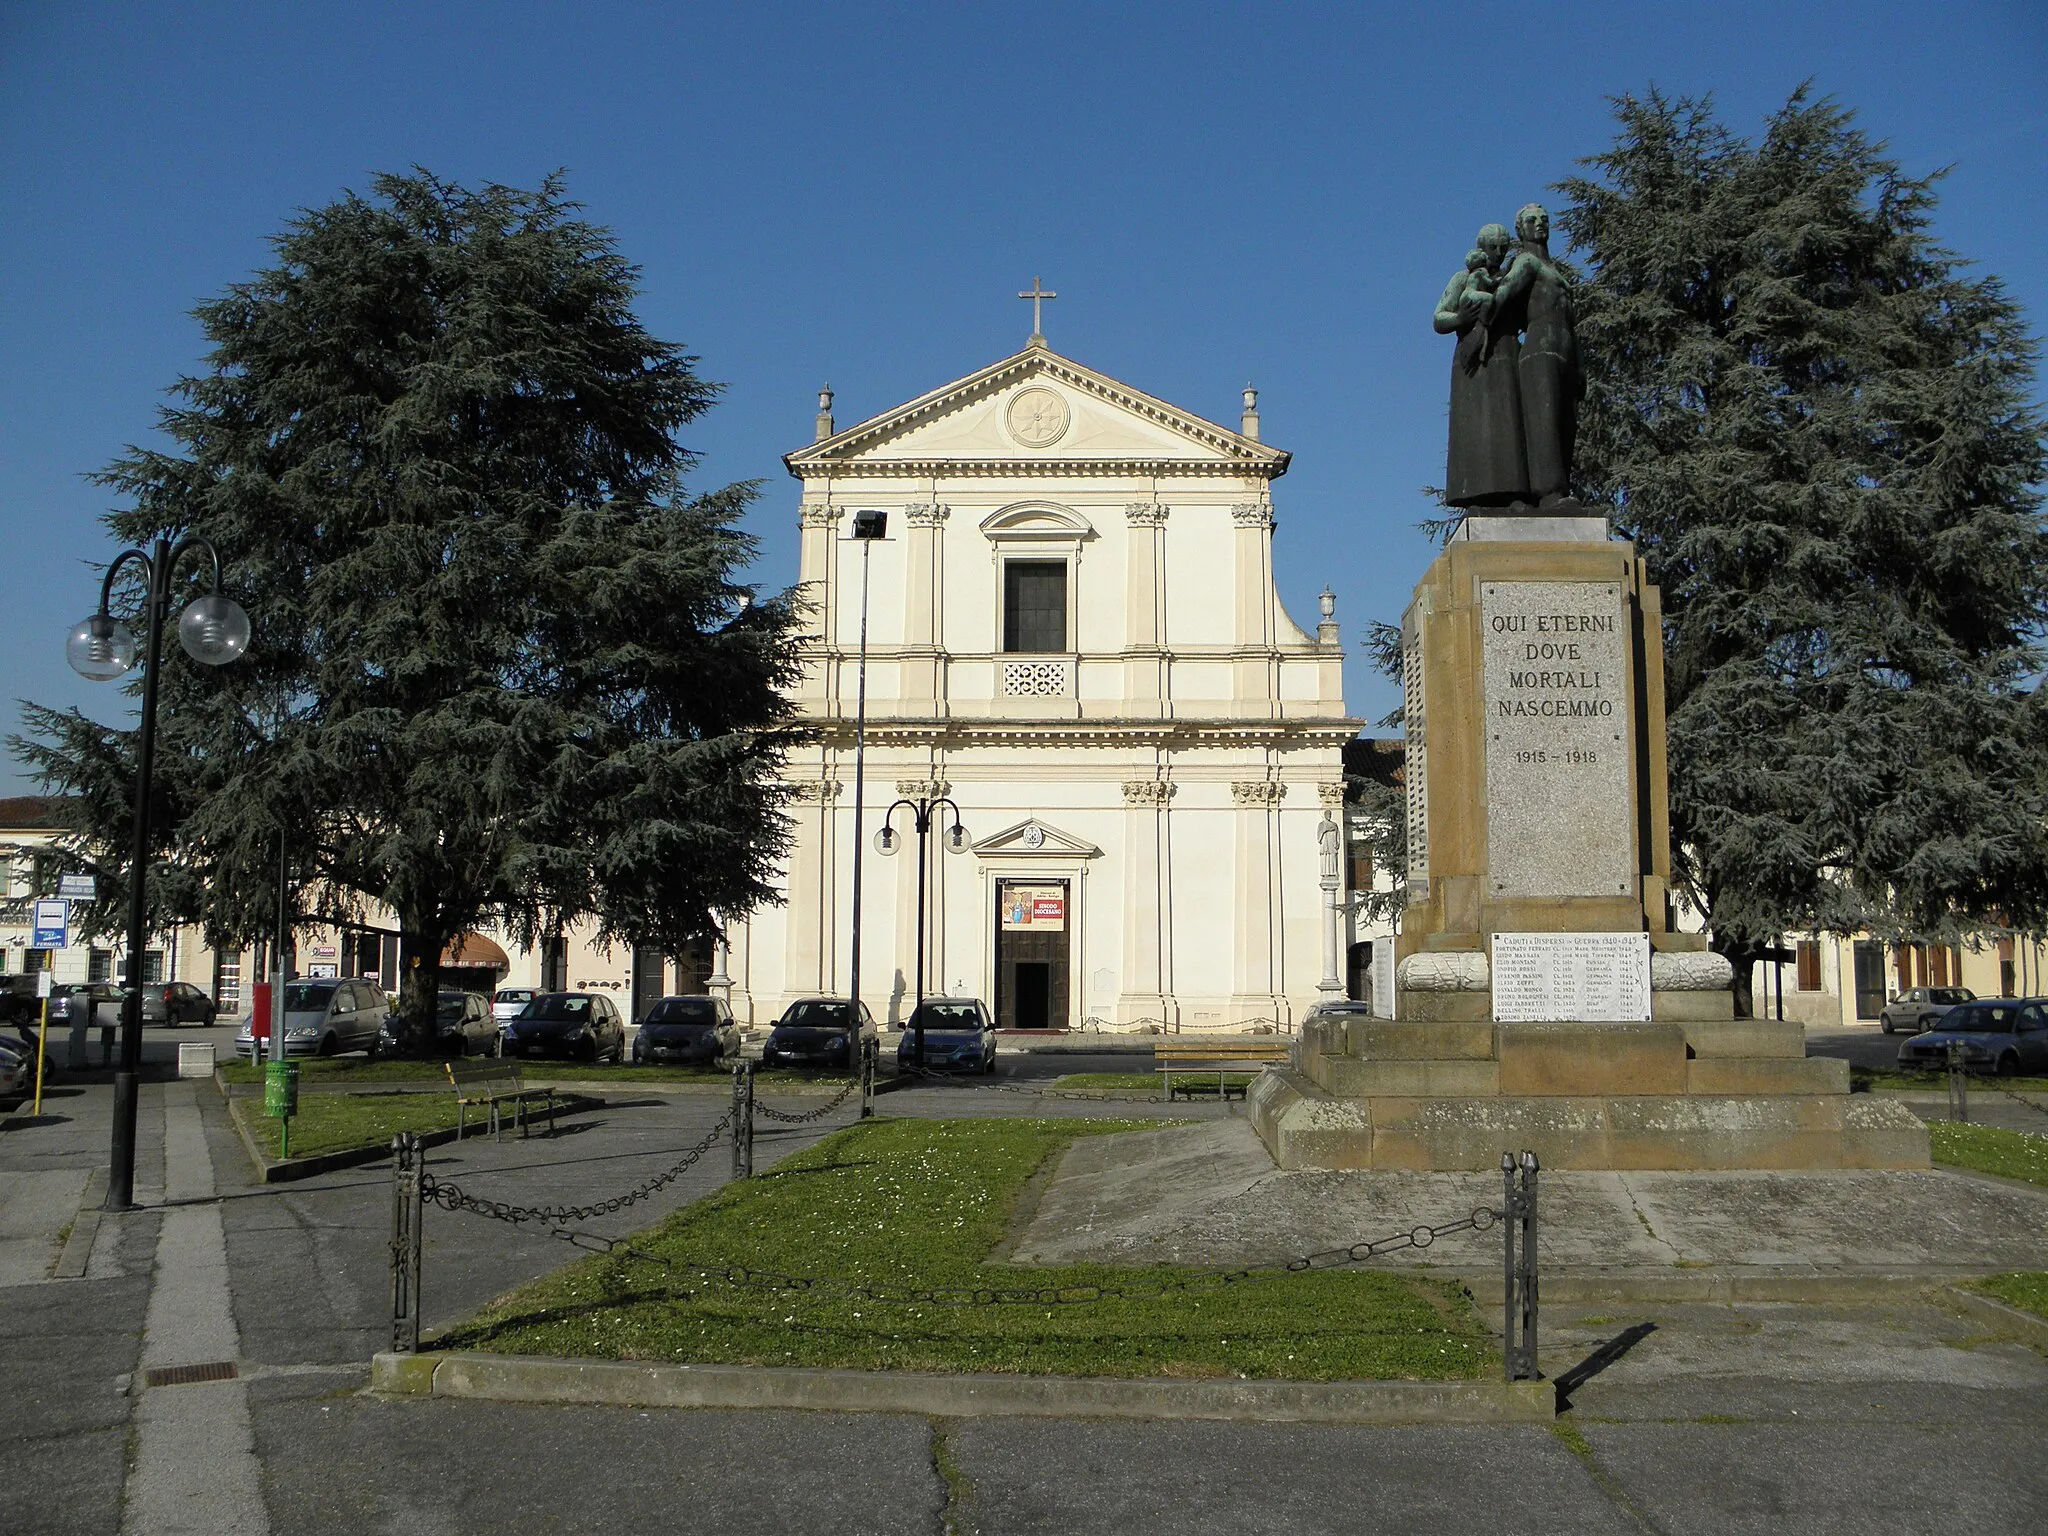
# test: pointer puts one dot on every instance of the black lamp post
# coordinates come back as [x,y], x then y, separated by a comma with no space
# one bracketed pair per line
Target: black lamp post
[213,629]
[867,528]
[956,842]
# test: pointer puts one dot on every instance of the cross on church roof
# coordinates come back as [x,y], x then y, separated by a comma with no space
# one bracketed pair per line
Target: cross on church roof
[1037,293]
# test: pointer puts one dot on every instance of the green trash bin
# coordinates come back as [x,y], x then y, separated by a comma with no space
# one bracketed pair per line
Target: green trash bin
[281,1099]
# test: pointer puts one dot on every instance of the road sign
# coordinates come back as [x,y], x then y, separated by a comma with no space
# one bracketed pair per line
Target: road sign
[78,887]
[52,919]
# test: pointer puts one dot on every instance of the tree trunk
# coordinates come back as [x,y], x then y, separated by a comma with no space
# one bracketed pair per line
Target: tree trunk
[1743,956]
[421,985]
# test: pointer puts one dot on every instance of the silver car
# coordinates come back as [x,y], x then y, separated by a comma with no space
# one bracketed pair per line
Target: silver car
[1921,1008]
[322,1018]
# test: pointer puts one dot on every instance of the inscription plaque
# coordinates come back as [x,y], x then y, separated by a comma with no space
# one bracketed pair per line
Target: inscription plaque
[1594,978]
[1560,803]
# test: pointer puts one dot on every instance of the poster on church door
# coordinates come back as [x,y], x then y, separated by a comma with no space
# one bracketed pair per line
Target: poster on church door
[1041,908]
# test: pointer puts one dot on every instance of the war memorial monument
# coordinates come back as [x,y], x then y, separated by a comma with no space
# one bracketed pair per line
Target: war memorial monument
[1544,997]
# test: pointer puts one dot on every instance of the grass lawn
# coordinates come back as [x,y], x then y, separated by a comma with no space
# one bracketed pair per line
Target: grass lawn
[1987,1149]
[2027,1290]
[361,1069]
[1892,1080]
[1147,1082]
[331,1122]
[921,1203]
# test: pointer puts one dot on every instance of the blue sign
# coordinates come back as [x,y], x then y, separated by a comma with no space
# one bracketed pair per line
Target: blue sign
[52,919]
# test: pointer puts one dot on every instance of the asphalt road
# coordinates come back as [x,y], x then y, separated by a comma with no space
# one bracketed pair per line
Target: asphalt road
[1710,1419]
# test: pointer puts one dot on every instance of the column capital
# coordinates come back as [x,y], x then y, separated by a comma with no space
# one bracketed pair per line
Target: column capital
[1145,514]
[923,789]
[1258,792]
[1148,791]
[814,791]
[1330,794]
[819,514]
[1252,514]
[926,514]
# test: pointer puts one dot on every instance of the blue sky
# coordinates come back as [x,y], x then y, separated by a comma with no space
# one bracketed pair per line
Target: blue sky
[853,193]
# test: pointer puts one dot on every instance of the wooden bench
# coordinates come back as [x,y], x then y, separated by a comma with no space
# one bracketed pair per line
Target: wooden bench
[1195,1057]
[494,1084]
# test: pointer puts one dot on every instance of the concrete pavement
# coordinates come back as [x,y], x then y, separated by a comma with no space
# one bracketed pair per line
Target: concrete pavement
[1683,1417]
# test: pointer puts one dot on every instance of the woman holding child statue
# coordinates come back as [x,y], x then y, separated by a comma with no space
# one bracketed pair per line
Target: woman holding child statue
[1487,465]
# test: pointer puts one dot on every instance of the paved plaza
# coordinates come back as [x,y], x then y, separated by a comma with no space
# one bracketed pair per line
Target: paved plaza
[1865,1414]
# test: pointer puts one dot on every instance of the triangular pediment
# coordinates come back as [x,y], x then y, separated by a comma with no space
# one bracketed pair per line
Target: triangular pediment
[1034,411]
[1034,838]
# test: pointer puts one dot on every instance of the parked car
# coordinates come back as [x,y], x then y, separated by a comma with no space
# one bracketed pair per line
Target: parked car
[959,1036]
[506,1004]
[463,1026]
[581,1026]
[814,1032]
[2007,1036]
[17,1070]
[696,1030]
[72,998]
[324,1017]
[176,1002]
[1919,1008]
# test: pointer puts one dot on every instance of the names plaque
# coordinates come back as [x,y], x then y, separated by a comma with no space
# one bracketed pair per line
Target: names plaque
[1594,978]
[1560,802]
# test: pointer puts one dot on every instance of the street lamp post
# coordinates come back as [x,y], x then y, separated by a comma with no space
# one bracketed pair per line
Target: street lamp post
[885,843]
[214,630]
[867,528]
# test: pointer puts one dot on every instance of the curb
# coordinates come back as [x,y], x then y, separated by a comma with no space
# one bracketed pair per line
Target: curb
[2003,1316]
[719,1089]
[533,1379]
[1677,1286]
[269,1170]
[85,1228]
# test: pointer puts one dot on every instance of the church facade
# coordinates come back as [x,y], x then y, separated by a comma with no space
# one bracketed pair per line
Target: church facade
[1075,647]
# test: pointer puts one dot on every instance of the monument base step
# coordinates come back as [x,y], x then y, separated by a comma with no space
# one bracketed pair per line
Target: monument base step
[1306,1127]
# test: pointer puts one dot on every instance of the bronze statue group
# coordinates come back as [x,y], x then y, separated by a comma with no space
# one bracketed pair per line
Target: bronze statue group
[1515,380]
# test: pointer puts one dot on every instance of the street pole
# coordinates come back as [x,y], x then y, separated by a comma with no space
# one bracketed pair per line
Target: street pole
[121,1170]
[921,819]
[867,527]
[214,631]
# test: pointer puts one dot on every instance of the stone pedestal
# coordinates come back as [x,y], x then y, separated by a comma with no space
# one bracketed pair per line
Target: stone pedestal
[1539,842]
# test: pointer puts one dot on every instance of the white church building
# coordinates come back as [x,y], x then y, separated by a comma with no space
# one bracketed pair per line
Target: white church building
[1073,636]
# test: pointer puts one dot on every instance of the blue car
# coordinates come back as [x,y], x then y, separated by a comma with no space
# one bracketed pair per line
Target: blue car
[2008,1036]
[958,1036]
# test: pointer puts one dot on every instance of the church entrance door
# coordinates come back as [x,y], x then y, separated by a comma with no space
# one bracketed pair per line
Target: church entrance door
[1031,954]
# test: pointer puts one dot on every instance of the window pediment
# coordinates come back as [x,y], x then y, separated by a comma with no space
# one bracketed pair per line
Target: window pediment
[1037,521]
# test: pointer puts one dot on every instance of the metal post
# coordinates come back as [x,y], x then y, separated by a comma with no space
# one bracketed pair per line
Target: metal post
[121,1170]
[1958,1083]
[860,759]
[924,826]
[867,1078]
[1519,1324]
[1510,1207]
[1530,1370]
[743,1120]
[408,1208]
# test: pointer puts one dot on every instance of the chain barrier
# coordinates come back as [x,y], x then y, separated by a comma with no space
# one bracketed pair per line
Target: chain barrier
[452,1197]
[784,1117]
[1481,1220]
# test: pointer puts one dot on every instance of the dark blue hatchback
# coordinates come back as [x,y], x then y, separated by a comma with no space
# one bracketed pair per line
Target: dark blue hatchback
[958,1036]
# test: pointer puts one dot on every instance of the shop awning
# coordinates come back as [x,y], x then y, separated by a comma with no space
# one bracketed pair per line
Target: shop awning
[475,949]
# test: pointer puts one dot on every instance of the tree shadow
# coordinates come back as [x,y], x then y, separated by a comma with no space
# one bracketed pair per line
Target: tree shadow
[1598,1361]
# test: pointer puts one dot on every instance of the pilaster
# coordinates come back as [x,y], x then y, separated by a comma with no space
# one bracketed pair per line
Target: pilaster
[1260,959]
[1145,665]
[1146,997]
[1256,687]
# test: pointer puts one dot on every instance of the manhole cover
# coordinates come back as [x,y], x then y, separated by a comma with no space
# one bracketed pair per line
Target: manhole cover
[186,1375]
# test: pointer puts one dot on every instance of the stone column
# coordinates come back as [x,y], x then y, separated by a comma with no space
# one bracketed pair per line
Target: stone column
[923,596]
[818,523]
[1256,687]
[808,924]
[1146,996]
[1255,996]
[1145,679]
[1330,839]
